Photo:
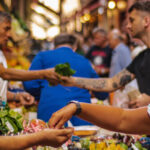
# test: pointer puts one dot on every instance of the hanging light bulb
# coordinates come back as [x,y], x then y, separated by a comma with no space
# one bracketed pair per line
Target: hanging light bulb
[111,4]
[121,5]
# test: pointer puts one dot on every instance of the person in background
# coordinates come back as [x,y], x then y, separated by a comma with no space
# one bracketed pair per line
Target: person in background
[121,56]
[52,98]
[134,121]
[100,53]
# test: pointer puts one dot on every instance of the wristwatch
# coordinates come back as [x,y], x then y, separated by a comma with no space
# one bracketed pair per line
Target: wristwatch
[78,106]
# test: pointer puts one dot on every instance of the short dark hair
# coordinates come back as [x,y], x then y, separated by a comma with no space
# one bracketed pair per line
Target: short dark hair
[65,39]
[141,6]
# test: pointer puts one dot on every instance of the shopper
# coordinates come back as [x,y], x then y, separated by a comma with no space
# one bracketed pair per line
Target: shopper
[52,98]
[121,56]
[100,53]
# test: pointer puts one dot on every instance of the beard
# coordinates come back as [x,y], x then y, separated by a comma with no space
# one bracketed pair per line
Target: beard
[138,34]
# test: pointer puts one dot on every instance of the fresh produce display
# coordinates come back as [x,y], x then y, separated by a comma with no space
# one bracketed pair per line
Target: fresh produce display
[10,121]
[64,69]
[115,142]
[34,125]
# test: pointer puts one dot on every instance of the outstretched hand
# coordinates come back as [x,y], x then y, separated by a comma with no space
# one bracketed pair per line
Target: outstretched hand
[59,118]
[52,76]
[56,137]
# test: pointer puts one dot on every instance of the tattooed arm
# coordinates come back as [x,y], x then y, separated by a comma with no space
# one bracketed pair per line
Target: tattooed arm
[101,84]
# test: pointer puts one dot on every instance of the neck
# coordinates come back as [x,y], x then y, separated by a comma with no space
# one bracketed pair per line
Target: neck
[146,39]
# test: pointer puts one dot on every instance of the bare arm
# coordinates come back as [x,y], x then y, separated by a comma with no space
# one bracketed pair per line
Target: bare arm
[117,119]
[103,84]
[23,75]
[133,121]
[49,137]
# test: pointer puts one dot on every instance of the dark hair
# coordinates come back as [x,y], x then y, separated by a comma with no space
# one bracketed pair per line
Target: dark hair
[65,39]
[141,6]
[99,30]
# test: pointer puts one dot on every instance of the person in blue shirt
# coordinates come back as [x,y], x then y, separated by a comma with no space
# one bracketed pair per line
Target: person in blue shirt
[52,98]
[121,55]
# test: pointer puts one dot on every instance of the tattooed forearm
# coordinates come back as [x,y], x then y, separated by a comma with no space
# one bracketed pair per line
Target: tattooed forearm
[124,80]
[104,84]
[115,85]
[121,79]
[92,84]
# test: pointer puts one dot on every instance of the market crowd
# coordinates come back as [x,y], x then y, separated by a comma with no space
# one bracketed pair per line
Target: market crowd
[110,61]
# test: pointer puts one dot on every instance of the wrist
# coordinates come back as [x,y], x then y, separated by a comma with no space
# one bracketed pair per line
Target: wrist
[76,107]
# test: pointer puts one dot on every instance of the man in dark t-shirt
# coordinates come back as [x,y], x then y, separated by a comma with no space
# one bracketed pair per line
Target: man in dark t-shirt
[139,27]
[140,67]
[100,53]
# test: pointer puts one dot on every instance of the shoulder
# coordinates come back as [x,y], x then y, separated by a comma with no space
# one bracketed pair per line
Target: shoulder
[83,58]
[143,54]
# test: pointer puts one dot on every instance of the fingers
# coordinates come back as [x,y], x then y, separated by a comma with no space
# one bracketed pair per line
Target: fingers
[60,123]
[66,131]
[26,99]
[54,120]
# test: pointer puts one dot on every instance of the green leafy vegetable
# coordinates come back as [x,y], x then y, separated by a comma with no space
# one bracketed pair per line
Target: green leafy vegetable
[64,69]
[10,121]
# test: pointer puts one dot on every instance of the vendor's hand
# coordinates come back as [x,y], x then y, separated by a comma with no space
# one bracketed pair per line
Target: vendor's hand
[59,118]
[56,137]
[25,98]
[141,100]
[52,76]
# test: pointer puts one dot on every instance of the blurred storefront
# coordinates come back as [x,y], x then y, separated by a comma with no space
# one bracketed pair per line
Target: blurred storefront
[46,18]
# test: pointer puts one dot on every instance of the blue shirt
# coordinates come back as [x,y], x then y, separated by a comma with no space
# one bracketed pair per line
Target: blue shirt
[121,58]
[53,98]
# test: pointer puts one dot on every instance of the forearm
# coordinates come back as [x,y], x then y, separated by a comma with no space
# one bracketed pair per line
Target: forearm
[23,75]
[99,85]
[104,84]
[121,120]
[20,142]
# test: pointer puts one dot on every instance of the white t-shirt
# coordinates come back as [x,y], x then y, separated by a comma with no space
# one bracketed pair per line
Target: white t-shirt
[3,83]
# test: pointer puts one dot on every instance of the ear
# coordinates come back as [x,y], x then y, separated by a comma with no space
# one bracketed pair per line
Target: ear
[147,21]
